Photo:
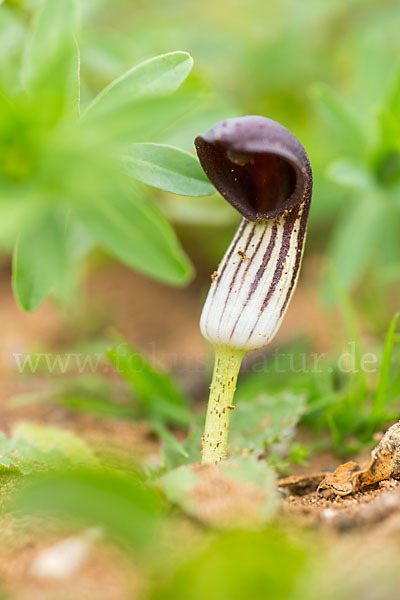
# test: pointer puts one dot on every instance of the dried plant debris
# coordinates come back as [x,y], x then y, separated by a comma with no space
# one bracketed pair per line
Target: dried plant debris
[239,492]
[299,485]
[385,463]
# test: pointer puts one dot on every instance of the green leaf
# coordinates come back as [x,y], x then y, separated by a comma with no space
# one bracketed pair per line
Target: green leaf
[12,34]
[381,393]
[90,394]
[354,239]
[39,261]
[264,421]
[158,393]
[389,118]
[166,168]
[73,82]
[51,58]
[357,387]
[212,210]
[209,111]
[17,213]
[170,441]
[259,565]
[121,504]
[35,448]
[142,119]
[344,125]
[191,446]
[177,485]
[158,76]
[48,438]
[351,174]
[21,457]
[125,223]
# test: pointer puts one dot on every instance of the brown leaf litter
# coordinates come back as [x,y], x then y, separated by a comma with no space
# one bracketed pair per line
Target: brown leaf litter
[350,477]
[384,464]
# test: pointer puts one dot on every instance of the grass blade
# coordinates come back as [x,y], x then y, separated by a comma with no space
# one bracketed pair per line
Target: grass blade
[381,393]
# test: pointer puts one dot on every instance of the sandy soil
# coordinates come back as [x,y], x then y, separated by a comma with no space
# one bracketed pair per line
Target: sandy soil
[163,323]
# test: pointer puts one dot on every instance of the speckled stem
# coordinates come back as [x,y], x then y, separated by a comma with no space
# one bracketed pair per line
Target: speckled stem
[220,403]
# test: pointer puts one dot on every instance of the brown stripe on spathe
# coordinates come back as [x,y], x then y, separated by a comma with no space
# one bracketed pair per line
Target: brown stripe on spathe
[247,244]
[250,260]
[231,251]
[261,269]
[290,220]
[300,243]
[264,263]
[239,232]
[240,262]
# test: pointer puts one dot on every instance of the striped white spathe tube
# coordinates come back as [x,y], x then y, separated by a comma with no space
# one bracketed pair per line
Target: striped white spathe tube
[264,172]
[251,291]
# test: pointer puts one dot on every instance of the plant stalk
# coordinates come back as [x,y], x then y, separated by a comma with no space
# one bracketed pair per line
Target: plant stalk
[220,403]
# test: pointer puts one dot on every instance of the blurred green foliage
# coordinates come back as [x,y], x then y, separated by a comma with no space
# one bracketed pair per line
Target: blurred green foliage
[239,565]
[267,425]
[81,131]
[328,71]
[75,113]
[246,473]
[353,393]
[160,399]
[60,188]
[147,392]
[35,448]
[121,503]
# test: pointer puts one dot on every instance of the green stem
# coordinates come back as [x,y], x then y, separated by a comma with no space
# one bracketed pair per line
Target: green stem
[220,403]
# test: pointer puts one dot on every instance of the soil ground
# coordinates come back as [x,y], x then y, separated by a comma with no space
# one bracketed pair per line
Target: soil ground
[162,322]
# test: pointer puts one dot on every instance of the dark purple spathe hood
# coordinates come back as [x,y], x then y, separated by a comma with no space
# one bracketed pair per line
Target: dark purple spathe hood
[257,165]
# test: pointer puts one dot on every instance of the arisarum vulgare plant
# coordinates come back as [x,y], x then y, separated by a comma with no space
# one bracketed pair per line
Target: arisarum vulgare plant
[264,172]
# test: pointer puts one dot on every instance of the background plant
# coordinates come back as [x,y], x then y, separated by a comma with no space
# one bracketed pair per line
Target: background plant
[61,187]
[329,71]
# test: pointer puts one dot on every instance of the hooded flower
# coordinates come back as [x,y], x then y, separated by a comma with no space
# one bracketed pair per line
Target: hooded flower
[264,172]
